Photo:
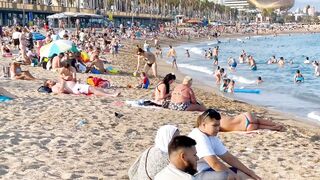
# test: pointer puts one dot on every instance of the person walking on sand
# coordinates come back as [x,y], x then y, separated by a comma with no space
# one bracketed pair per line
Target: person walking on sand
[173,55]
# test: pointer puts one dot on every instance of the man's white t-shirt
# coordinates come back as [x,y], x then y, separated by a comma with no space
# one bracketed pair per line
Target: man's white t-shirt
[16,35]
[172,173]
[82,36]
[206,146]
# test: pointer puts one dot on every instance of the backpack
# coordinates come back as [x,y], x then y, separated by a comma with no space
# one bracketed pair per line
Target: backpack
[44,89]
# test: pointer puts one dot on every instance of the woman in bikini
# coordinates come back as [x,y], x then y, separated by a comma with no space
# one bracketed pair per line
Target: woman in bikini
[247,122]
[150,60]
[17,73]
[184,99]
[162,91]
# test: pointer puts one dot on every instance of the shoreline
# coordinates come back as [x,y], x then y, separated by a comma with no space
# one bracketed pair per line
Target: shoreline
[207,88]
[41,139]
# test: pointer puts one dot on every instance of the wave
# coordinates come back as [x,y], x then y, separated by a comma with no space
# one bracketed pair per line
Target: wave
[213,43]
[241,79]
[196,68]
[314,115]
[196,50]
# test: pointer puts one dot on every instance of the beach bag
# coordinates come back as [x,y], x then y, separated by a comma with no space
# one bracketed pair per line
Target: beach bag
[44,89]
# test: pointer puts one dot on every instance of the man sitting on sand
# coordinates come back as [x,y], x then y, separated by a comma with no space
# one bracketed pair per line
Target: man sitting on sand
[212,153]
[96,64]
[71,87]
[183,97]
[183,160]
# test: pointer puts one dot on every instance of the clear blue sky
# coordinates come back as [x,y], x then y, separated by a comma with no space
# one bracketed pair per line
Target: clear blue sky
[303,3]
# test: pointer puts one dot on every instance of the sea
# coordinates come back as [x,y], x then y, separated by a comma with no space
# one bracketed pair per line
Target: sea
[278,91]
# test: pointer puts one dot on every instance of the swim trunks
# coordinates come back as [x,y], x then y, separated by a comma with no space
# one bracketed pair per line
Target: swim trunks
[81,89]
[179,106]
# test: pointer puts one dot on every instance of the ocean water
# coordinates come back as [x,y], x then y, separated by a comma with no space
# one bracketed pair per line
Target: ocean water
[278,91]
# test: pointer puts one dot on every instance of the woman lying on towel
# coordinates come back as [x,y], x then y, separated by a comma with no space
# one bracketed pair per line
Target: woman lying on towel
[71,87]
[247,122]
[155,158]
[184,99]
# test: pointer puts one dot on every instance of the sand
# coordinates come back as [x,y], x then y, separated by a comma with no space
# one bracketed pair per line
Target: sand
[40,139]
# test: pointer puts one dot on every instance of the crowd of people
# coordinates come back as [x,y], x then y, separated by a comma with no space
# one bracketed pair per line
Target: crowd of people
[200,155]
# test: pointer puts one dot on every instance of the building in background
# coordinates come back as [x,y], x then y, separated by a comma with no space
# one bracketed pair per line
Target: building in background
[237,4]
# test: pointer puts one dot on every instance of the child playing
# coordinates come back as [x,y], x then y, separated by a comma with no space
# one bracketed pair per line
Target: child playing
[224,85]
[231,86]
[187,53]
[144,83]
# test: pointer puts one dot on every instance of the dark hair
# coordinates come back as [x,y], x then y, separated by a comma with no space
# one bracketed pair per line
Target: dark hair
[307,58]
[140,50]
[298,71]
[259,78]
[180,142]
[221,70]
[170,46]
[166,81]
[213,114]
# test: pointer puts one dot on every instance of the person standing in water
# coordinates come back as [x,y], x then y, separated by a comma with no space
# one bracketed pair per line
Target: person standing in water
[215,55]
[173,55]
[252,63]
[187,53]
[298,77]
[316,68]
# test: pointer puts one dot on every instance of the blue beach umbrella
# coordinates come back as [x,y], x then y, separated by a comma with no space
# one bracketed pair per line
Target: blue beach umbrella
[57,47]
[37,36]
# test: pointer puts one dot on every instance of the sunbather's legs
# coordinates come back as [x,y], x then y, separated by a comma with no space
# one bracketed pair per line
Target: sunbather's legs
[196,107]
[101,92]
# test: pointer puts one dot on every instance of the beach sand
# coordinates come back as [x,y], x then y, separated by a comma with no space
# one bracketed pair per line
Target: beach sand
[40,139]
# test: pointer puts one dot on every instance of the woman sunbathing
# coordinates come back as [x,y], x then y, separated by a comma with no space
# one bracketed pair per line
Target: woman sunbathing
[183,97]
[155,158]
[162,91]
[247,122]
[17,73]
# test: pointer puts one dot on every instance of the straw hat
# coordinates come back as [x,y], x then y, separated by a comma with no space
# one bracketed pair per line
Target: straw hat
[187,80]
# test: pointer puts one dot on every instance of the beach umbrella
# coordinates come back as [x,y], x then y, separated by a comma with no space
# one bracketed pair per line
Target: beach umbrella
[57,47]
[38,36]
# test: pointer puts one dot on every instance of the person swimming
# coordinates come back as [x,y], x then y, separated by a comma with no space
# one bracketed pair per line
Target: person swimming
[232,63]
[259,80]
[298,77]
[307,61]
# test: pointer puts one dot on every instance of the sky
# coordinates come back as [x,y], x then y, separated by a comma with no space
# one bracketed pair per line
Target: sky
[303,3]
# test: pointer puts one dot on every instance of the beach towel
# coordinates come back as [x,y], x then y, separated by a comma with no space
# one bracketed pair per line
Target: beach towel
[4,98]
[98,82]
[140,104]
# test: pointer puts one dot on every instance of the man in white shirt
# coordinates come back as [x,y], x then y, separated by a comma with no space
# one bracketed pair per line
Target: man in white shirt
[209,148]
[183,160]
[15,37]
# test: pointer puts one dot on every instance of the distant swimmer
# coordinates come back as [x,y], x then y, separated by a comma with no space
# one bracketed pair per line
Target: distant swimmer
[215,55]
[252,63]
[307,61]
[316,68]
[272,60]
[232,63]
[205,54]
[298,77]
[281,61]
[187,53]
[241,59]
[259,80]
[173,55]
[210,54]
